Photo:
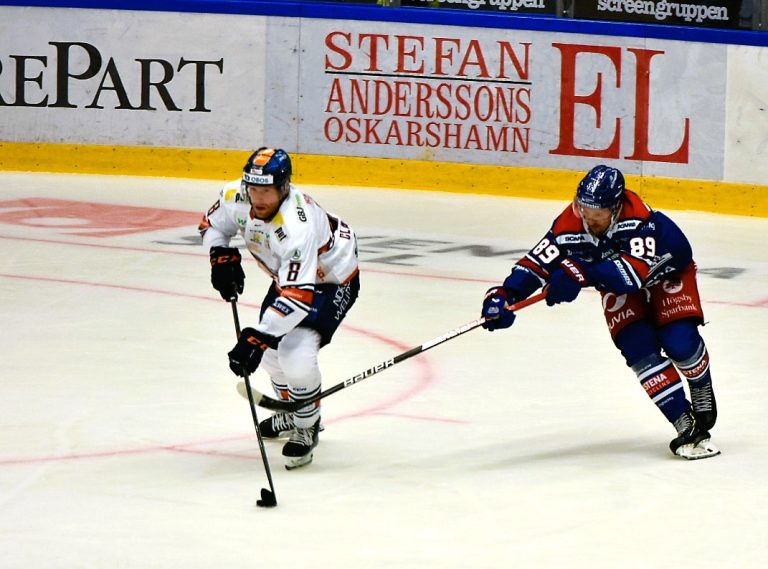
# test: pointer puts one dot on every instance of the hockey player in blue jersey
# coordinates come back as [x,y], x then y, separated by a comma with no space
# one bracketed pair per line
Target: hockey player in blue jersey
[642,264]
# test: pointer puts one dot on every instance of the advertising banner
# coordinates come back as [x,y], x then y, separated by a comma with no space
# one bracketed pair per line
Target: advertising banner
[131,78]
[503,97]
[502,6]
[700,13]
[360,88]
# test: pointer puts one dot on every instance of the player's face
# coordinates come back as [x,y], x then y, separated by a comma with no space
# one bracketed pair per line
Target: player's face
[264,201]
[598,220]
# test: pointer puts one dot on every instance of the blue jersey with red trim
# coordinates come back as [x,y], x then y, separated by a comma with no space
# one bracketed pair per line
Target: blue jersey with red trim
[641,247]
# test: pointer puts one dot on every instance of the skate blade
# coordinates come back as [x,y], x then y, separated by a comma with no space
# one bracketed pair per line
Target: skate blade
[292,463]
[702,449]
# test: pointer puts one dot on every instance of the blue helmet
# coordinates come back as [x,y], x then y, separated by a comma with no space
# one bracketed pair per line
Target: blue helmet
[602,187]
[268,167]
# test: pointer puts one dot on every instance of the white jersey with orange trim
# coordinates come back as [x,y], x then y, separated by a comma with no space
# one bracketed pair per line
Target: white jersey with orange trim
[301,246]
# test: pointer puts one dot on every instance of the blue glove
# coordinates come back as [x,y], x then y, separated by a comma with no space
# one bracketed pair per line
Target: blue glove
[246,356]
[565,282]
[494,309]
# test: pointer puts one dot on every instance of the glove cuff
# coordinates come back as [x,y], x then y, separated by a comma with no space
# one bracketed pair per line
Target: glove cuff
[224,255]
[575,271]
[496,291]
[260,339]
[510,295]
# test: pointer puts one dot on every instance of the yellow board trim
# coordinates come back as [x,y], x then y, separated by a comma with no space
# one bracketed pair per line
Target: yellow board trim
[540,183]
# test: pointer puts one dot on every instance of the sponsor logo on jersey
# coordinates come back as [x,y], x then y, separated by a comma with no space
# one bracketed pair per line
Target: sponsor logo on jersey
[627,224]
[282,308]
[234,195]
[572,238]
[623,272]
[259,237]
[613,302]
[341,302]
[672,286]
[300,210]
[620,317]
[296,256]
[678,304]
[280,233]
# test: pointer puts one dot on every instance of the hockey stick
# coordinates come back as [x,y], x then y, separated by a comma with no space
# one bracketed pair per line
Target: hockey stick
[291,406]
[268,499]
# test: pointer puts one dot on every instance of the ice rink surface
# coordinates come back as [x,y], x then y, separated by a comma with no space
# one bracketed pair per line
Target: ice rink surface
[124,444]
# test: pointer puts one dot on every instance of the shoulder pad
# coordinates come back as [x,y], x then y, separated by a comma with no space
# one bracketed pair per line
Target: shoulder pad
[299,205]
[569,221]
[233,192]
[634,207]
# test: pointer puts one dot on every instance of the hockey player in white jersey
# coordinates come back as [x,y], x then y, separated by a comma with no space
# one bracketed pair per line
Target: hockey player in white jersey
[311,256]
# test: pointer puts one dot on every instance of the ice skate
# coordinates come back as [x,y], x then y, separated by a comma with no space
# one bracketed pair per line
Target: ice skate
[704,405]
[298,450]
[692,441]
[276,426]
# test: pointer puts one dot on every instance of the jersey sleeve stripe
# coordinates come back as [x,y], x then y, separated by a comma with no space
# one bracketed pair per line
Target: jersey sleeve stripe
[532,266]
[299,295]
[637,267]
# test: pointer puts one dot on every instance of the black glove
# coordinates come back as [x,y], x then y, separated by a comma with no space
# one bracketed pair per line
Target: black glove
[227,275]
[565,282]
[494,309]
[246,356]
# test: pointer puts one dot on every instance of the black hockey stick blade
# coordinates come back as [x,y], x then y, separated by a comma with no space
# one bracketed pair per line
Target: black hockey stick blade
[268,499]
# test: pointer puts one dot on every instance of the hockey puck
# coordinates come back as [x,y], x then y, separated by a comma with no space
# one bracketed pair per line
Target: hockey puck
[267,499]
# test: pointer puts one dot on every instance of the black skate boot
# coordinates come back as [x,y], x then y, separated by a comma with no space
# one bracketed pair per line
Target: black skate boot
[704,405]
[692,441]
[278,425]
[298,450]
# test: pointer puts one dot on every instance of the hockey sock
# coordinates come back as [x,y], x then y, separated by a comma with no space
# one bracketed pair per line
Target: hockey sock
[281,389]
[307,415]
[662,383]
[696,368]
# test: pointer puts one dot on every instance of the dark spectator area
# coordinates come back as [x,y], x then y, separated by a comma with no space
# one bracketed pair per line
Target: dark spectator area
[724,14]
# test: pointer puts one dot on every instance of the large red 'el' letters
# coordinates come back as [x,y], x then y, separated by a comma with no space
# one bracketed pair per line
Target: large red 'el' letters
[569,99]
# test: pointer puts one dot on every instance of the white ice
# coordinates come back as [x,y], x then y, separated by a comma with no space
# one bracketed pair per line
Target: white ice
[123,442]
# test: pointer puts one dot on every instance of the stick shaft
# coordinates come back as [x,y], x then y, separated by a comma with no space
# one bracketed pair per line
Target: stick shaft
[290,406]
[252,405]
